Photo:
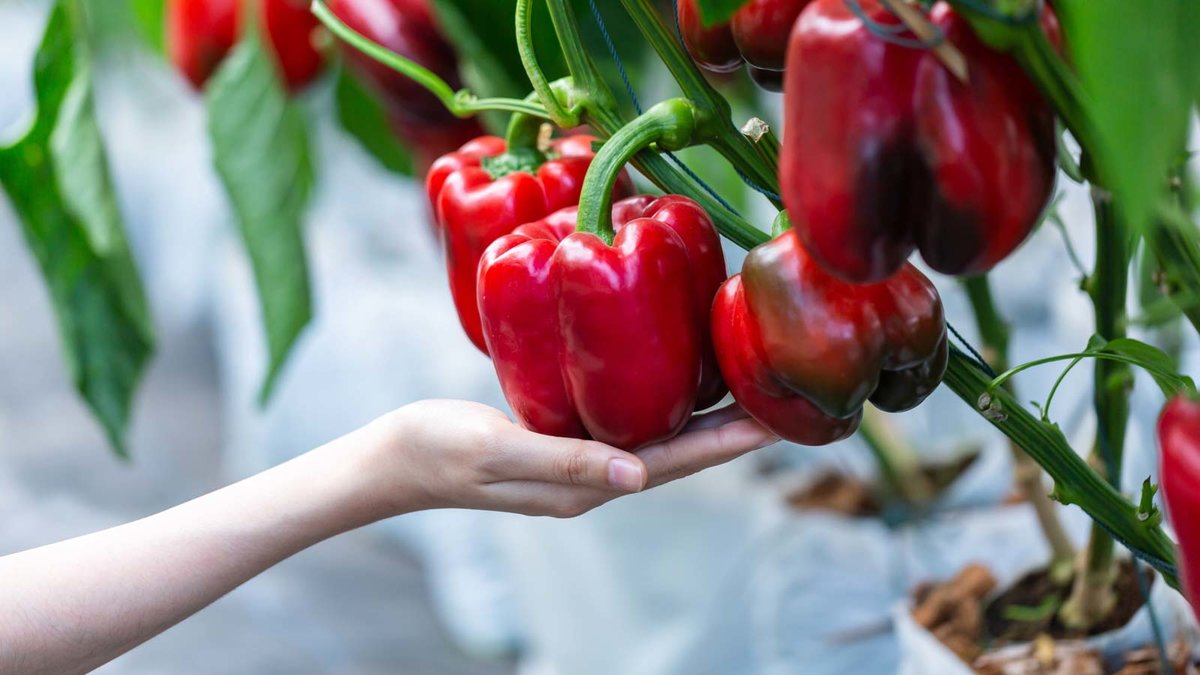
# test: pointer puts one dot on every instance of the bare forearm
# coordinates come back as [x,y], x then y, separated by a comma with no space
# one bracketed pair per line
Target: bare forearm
[74,605]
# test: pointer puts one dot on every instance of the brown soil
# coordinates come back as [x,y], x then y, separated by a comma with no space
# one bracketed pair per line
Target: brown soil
[1025,615]
[1029,607]
[849,496]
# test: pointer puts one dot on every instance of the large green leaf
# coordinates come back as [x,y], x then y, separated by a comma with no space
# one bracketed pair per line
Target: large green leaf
[56,177]
[1139,65]
[260,149]
[364,117]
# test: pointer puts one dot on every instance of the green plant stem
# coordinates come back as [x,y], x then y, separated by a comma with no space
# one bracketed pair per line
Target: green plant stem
[1075,482]
[1093,597]
[461,103]
[995,335]
[558,112]
[721,133]
[671,124]
[899,463]
[1175,242]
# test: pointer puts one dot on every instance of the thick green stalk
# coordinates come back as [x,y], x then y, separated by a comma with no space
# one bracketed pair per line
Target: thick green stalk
[670,124]
[1093,597]
[995,333]
[721,133]
[1075,482]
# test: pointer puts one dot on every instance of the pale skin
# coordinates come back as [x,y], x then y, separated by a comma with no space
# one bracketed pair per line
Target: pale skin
[72,606]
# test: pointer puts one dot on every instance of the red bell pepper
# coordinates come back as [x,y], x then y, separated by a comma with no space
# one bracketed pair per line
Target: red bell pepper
[887,152]
[756,34]
[477,197]
[802,351]
[200,33]
[1179,477]
[606,342]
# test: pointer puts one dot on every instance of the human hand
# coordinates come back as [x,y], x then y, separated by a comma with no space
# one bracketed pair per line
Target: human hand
[441,454]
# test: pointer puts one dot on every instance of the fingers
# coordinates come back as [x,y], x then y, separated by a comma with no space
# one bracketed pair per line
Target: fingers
[527,456]
[716,418]
[534,498]
[704,446]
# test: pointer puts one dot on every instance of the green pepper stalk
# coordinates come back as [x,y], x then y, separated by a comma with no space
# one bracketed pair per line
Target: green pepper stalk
[671,125]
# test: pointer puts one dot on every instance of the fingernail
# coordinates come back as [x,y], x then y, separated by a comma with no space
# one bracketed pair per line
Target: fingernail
[624,475]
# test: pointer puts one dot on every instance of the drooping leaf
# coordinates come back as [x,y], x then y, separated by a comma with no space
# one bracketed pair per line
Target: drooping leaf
[1128,54]
[56,177]
[260,149]
[716,11]
[1156,362]
[150,16]
[363,117]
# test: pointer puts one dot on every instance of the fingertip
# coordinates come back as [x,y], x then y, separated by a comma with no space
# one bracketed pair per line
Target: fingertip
[627,474]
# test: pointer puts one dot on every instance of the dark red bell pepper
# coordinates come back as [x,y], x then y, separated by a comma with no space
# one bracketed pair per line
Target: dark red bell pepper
[200,33]
[802,351]
[477,196]
[1179,477]
[408,28]
[606,342]
[756,34]
[887,152]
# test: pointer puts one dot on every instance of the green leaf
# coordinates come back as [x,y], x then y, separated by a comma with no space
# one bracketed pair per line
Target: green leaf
[260,149]
[1155,361]
[150,16]
[718,11]
[56,177]
[1128,54]
[363,117]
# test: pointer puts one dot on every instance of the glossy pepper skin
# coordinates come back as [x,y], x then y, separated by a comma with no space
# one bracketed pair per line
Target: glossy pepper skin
[408,28]
[200,33]
[1179,477]
[756,34]
[473,208]
[606,342]
[802,351]
[887,152]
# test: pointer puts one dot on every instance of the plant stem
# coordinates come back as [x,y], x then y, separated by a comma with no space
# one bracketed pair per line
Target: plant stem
[1075,482]
[899,464]
[1093,597]
[995,334]
[462,103]
[721,133]
[671,124]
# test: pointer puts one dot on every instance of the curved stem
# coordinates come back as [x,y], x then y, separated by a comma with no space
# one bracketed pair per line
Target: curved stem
[541,85]
[462,103]
[671,124]
[720,131]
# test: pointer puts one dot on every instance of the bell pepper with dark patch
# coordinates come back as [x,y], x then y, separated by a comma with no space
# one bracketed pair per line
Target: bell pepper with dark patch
[887,152]
[802,351]
[756,34]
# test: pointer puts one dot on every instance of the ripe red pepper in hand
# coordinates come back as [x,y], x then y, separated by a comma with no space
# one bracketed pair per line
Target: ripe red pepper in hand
[757,34]
[606,342]
[1179,476]
[477,197]
[200,33]
[802,351]
[408,28]
[887,152]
